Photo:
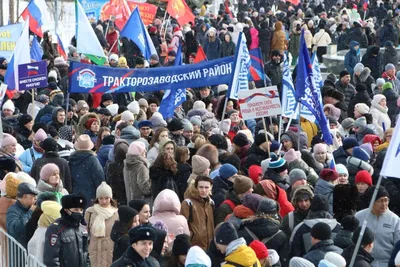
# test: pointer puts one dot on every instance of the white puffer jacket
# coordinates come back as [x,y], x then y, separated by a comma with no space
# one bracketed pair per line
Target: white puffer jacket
[322,39]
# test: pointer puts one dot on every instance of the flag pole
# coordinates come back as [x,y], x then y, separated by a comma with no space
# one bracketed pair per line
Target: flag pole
[162,24]
[109,51]
[166,25]
[66,109]
[266,135]
[288,125]
[33,103]
[364,225]
[299,129]
[223,111]
[108,25]
[279,129]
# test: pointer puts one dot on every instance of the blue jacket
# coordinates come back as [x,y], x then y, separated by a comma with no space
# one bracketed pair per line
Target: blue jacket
[212,49]
[16,219]
[102,154]
[26,158]
[352,58]
[86,173]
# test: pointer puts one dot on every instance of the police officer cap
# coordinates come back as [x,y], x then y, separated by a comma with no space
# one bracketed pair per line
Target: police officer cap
[142,232]
[27,189]
[73,201]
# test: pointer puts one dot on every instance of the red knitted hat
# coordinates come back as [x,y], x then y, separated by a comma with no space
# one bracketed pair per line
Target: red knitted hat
[364,177]
[89,123]
[329,175]
[260,249]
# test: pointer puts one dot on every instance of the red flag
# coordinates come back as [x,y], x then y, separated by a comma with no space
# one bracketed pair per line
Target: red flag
[179,9]
[200,55]
[294,2]
[227,9]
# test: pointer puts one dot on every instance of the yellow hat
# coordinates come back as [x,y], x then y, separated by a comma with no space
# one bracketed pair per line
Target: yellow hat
[51,209]
[11,186]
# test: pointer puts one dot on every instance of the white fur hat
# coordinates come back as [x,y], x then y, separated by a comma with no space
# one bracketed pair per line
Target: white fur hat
[134,107]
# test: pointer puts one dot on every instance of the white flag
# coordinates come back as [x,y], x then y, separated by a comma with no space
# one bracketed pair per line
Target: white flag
[390,166]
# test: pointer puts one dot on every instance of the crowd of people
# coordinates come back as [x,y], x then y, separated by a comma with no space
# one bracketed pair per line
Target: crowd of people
[105,180]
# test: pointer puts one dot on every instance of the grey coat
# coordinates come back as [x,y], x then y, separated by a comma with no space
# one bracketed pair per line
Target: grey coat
[325,188]
[137,178]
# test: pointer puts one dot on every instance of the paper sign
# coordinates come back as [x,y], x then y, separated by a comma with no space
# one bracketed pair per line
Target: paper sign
[259,103]
[32,75]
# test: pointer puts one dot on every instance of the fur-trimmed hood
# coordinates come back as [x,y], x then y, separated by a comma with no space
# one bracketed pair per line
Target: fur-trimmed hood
[363,76]
[81,128]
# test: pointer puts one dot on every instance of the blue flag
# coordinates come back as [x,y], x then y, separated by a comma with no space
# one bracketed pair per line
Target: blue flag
[36,50]
[174,97]
[306,93]
[135,30]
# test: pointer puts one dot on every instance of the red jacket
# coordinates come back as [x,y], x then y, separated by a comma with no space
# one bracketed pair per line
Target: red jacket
[112,38]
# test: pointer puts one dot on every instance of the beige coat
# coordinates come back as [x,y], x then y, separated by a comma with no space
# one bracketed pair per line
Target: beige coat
[100,248]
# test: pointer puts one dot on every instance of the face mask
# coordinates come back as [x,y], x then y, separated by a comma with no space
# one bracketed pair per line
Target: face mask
[77,216]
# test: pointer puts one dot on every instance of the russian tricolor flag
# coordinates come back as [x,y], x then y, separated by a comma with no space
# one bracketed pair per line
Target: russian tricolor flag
[35,16]
[60,48]
[21,56]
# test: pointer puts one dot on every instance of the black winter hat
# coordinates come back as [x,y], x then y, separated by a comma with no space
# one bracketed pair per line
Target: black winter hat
[382,192]
[260,138]
[175,125]
[226,234]
[240,140]
[73,201]
[137,204]
[219,141]
[349,223]
[104,111]
[181,245]
[321,231]
[344,73]
[319,203]
[367,238]
[7,164]
[126,213]
[142,232]
[24,119]
[360,87]
[108,140]
[106,97]
[49,144]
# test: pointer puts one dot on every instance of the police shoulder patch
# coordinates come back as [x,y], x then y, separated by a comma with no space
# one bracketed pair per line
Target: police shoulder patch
[53,239]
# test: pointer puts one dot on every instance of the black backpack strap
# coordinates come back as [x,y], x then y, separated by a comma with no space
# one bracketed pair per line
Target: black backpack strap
[235,264]
[32,155]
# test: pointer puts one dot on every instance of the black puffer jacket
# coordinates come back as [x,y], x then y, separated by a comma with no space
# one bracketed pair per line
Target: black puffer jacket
[133,259]
[343,239]
[373,62]
[391,100]
[115,171]
[184,171]
[267,230]
[270,174]
[255,155]
[219,190]
[224,210]
[23,137]
[318,251]
[162,179]
[360,97]
[363,258]
[120,237]
[390,56]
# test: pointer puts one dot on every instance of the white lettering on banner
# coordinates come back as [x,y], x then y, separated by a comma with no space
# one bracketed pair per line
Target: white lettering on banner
[141,39]
[176,78]
[259,103]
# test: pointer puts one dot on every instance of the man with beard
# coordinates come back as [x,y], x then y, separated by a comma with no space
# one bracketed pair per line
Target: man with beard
[301,200]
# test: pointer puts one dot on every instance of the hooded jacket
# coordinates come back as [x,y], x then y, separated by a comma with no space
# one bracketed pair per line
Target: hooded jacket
[390,56]
[238,252]
[380,115]
[352,57]
[325,188]
[363,258]
[374,63]
[87,174]
[279,41]
[387,233]
[366,79]
[115,168]
[81,127]
[167,208]
[255,155]
[199,214]
[119,235]
[137,178]
[219,190]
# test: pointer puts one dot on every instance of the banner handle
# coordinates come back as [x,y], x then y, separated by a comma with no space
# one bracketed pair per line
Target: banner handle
[266,135]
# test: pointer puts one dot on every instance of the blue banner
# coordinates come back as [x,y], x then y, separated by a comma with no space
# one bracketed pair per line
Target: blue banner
[84,78]
[8,38]
[306,92]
